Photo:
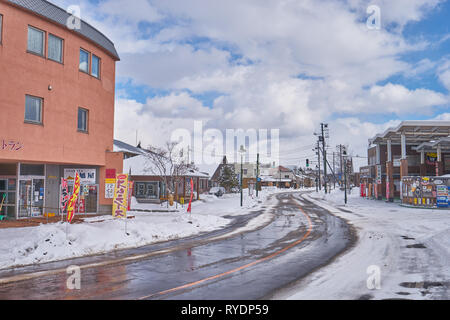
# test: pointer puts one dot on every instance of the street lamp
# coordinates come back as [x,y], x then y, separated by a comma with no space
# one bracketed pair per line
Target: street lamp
[242,152]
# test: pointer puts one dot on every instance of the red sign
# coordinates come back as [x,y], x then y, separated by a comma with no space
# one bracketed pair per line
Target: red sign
[110,173]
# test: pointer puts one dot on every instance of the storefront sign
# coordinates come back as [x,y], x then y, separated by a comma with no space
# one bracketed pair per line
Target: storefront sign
[120,203]
[110,174]
[109,188]
[10,145]
[397,163]
[87,176]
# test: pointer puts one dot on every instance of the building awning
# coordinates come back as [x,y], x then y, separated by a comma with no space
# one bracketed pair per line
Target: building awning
[444,143]
[416,132]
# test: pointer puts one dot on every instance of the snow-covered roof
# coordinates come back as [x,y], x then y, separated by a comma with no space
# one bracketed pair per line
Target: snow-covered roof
[120,146]
[142,166]
[209,169]
[271,179]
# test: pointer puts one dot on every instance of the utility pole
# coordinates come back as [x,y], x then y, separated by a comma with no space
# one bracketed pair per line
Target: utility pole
[345,178]
[257,175]
[324,153]
[334,170]
[318,161]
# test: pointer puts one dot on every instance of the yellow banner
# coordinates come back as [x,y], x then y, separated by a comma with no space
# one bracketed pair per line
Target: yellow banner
[120,202]
[74,198]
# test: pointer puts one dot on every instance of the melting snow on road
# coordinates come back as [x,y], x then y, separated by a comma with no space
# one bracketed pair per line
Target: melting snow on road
[46,243]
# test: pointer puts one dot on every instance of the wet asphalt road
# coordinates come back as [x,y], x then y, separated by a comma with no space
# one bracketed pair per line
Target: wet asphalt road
[252,265]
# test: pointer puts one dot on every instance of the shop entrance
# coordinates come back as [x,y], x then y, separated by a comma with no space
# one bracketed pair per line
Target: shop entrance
[31,197]
[8,197]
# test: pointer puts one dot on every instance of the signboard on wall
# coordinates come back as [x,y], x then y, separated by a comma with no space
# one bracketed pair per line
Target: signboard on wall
[378,174]
[10,145]
[87,176]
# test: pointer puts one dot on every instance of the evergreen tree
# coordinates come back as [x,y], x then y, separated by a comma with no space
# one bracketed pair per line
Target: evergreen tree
[228,179]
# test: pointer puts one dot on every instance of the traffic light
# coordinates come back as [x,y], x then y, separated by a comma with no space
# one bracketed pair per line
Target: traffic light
[307,163]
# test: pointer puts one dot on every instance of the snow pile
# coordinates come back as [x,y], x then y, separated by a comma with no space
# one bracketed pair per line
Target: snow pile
[47,243]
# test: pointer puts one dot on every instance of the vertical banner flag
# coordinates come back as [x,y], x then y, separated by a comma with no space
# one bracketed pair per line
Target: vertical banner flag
[192,196]
[120,202]
[130,193]
[64,200]
[73,200]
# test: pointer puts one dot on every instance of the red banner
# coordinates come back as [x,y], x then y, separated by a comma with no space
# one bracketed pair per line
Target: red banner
[192,196]
[130,193]
[64,195]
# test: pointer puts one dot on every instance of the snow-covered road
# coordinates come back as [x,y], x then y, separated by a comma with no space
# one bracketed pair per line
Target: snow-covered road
[411,248]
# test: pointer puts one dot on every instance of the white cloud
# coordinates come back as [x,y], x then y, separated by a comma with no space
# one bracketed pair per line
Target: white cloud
[444,73]
[278,64]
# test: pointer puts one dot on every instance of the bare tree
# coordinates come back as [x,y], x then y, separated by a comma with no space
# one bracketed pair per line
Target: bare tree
[168,163]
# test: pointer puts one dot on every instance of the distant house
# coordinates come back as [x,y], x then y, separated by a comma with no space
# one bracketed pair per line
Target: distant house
[248,176]
[149,186]
[280,177]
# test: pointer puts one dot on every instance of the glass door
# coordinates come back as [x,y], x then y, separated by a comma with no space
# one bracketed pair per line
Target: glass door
[25,198]
[31,198]
[37,206]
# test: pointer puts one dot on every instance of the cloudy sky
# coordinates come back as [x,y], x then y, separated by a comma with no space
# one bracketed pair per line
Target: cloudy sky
[287,64]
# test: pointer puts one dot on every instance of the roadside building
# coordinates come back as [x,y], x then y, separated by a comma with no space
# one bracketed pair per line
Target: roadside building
[412,149]
[149,186]
[57,89]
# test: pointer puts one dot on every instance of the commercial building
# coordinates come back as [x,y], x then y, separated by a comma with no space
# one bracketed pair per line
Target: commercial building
[57,88]
[412,149]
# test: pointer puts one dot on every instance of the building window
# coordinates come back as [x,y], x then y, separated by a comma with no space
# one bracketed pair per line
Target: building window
[36,41]
[82,120]
[33,109]
[1,29]
[84,61]
[55,48]
[95,66]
